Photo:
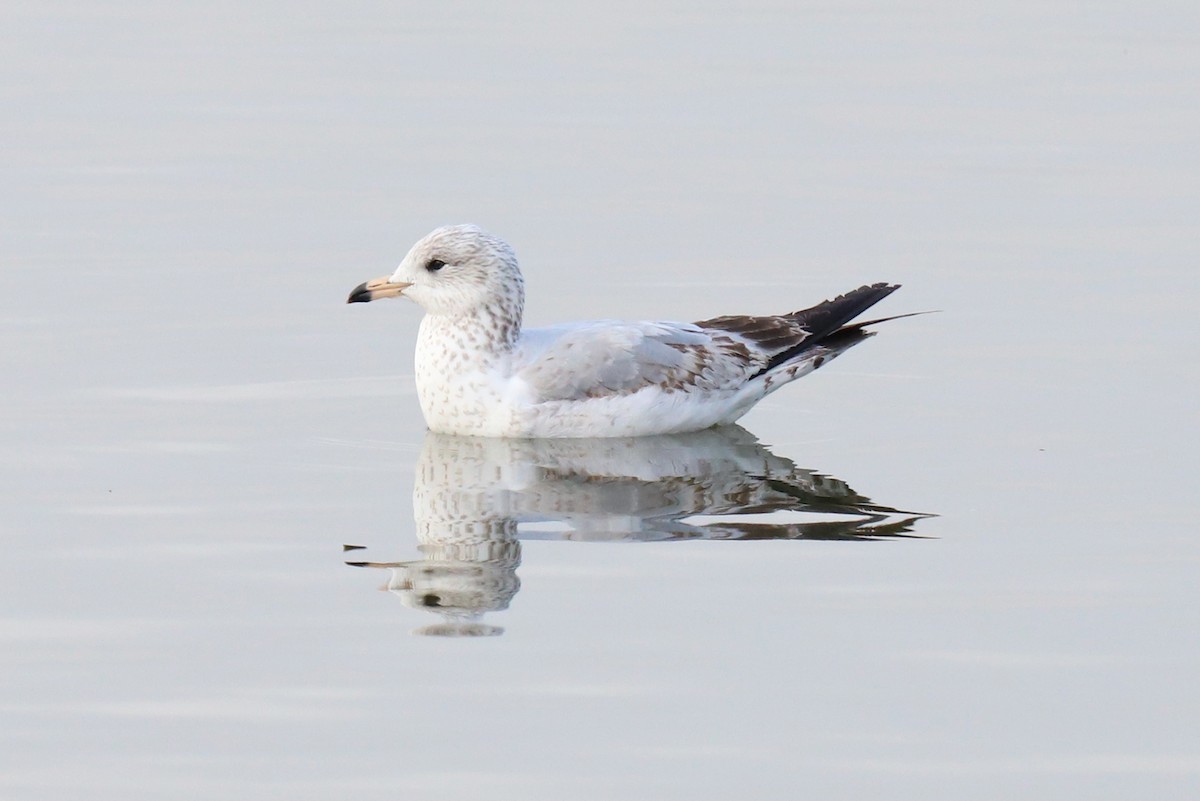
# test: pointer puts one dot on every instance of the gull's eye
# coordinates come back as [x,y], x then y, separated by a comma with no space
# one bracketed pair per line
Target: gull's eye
[433,265]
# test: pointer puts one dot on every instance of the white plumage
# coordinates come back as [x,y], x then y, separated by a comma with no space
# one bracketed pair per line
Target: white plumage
[479,373]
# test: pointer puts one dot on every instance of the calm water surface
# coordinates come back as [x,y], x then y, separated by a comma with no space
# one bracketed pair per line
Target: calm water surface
[958,562]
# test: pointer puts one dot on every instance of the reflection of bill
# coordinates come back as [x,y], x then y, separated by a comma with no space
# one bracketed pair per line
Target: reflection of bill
[475,498]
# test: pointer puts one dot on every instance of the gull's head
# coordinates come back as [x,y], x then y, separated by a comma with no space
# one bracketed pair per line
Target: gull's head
[453,270]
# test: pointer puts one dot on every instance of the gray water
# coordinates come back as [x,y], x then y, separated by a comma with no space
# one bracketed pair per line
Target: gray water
[194,425]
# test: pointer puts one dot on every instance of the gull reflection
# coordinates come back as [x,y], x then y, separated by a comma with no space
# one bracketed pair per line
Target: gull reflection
[476,498]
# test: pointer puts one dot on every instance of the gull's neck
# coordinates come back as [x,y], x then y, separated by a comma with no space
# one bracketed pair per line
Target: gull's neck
[479,335]
[458,361]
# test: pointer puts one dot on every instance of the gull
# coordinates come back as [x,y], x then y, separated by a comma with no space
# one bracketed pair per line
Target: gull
[479,373]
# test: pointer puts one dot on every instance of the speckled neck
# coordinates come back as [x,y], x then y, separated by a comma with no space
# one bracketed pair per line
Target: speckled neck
[467,339]
[482,332]
[461,363]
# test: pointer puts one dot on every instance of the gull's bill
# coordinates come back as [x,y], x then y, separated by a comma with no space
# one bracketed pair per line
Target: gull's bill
[377,288]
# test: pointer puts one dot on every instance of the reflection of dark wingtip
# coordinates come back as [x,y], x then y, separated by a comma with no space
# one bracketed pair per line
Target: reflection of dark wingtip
[861,529]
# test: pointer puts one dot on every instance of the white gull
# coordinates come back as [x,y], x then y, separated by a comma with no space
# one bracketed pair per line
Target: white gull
[479,373]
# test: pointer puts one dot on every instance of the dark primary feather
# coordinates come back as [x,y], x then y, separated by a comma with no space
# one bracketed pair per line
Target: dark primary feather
[789,335]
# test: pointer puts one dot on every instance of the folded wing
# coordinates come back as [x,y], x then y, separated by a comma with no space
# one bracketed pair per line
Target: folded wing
[608,358]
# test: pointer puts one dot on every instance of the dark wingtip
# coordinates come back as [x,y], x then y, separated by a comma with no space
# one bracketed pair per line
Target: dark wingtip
[878,320]
[826,318]
[868,294]
[826,323]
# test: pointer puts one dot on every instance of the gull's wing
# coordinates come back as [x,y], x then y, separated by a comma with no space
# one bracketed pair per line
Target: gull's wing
[608,357]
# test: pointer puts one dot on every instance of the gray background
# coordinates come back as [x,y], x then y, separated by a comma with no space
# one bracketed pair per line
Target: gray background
[192,422]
